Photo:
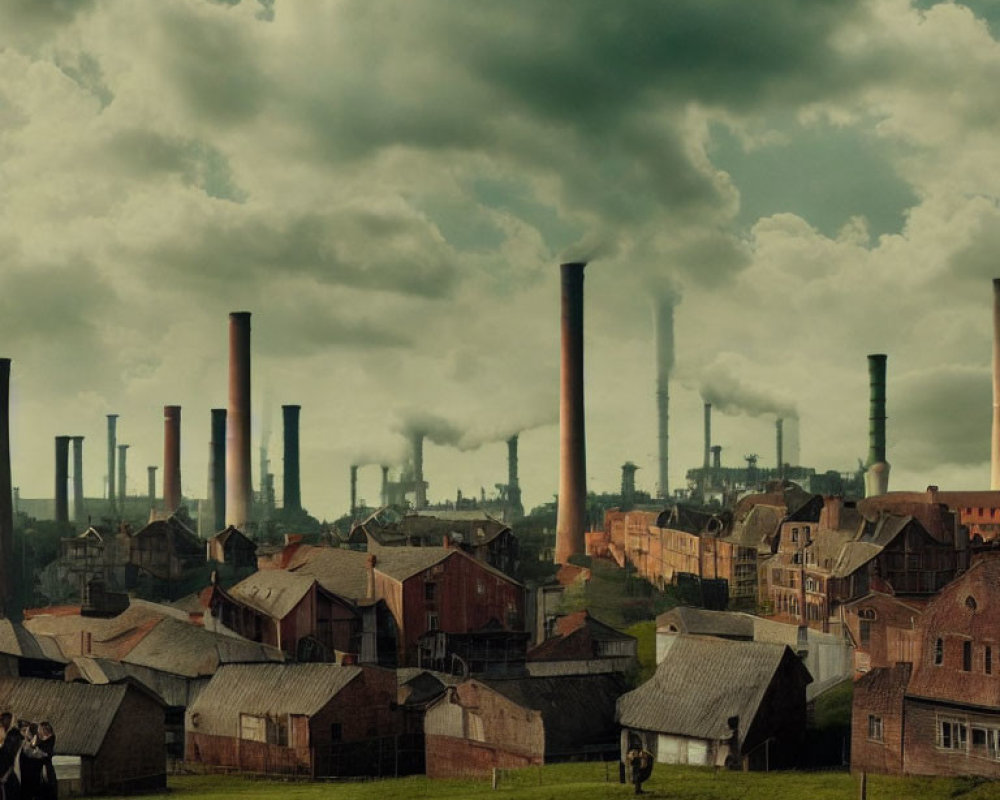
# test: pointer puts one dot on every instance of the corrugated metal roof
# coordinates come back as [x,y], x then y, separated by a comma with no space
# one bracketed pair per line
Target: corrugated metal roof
[184,649]
[273,591]
[173,690]
[17,640]
[853,556]
[265,689]
[339,571]
[730,624]
[701,683]
[80,713]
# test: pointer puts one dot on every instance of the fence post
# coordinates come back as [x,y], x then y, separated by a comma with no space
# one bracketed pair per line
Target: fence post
[863,788]
[495,778]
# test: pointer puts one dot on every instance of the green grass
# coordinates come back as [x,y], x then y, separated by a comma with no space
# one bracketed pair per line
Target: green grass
[833,707]
[593,781]
[645,634]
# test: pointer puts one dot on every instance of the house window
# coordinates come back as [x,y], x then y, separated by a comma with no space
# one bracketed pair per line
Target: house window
[480,587]
[988,660]
[875,728]
[952,734]
[866,632]
[432,621]
[970,603]
[430,591]
[795,534]
[967,656]
[938,652]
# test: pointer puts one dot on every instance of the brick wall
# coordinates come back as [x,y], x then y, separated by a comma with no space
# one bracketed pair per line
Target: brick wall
[133,755]
[880,695]
[450,757]
[924,756]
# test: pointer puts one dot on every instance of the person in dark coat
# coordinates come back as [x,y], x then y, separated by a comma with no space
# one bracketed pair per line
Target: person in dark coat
[10,786]
[38,776]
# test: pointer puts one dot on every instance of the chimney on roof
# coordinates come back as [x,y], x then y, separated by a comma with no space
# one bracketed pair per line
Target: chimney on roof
[238,489]
[62,480]
[151,486]
[171,458]
[571,509]
[877,476]
[122,494]
[292,494]
[217,469]
[112,448]
[995,436]
[7,561]
[79,512]
[354,490]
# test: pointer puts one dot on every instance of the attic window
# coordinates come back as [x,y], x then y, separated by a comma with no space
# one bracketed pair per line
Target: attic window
[970,603]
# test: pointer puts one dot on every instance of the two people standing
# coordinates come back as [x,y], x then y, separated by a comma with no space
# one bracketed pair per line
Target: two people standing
[26,771]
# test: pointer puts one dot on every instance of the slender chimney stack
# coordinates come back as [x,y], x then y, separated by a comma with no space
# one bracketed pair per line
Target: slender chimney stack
[151,487]
[385,485]
[238,489]
[217,469]
[122,493]
[62,480]
[779,435]
[664,322]
[708,434]
[628,486]
[420,488]
[515,509]
[171,458]
[79,512]
[7,600]
[292,496]
[716,456]
[995,437]
[877,476]
[112,448]
[571,510]
[354,490]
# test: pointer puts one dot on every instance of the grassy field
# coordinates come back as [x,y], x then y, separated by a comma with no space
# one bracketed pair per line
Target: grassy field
[593,782]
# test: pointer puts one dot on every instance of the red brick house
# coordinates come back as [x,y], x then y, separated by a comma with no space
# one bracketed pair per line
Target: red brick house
[580,643]
[950,710]
[308,719]
[884,630]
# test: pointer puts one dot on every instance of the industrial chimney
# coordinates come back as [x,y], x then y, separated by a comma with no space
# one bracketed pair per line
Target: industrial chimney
[664,322]
[112,447]
[292,495]
[995,437]
[716,450]
[62,480]
[151,487]
[354,490]
[708,435]
[385,485]
[122,493]
[217,469]
[571,510]
[515,509]
[79,513]
[779,424]
[7,604]
[238,489]
[171,458]
[877,476]
[419,488]
[628,486]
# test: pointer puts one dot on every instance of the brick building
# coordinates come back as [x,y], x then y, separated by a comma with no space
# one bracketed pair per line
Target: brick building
[883,629]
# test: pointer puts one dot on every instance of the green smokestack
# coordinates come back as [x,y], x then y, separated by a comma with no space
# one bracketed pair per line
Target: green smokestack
[876,415]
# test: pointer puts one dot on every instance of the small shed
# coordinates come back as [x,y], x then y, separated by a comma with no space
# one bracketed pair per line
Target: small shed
[719,702]
[115,730]
[309,719]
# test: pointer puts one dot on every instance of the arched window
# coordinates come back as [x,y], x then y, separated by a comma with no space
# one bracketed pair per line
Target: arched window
[970,603]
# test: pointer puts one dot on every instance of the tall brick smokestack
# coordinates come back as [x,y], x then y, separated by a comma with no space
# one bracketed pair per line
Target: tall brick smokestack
[292,494]
[7,604]
[779,425]
[420,488]
[995,437]
[62,480]
[515,508]
[151,486]
[354,490]
[664,323]
[571,510]
[171,458]
[79,512]
[112,451]
[877,476]
[385,485]
[217,469]
[708,435]
[122,474]
[238,488]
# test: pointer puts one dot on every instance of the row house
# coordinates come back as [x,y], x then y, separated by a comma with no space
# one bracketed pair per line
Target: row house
[978,511]
[940,714]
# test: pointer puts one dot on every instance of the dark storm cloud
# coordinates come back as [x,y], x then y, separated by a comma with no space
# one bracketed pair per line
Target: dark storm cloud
[941,416]
[85,70]
[29,22]
[357,248]
[730,395]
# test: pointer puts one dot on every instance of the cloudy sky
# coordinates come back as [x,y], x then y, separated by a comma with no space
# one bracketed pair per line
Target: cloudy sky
[389,188]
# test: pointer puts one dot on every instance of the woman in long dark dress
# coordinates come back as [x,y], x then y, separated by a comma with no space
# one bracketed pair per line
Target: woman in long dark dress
[10,786]
[38,776]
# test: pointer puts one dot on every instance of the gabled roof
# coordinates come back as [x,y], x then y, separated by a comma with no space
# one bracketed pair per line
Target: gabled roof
[224,535]
[16,640]
[80,713]
[275,592]
[265,689]
[342,572]
[701,683]
[724,624]
[172,689]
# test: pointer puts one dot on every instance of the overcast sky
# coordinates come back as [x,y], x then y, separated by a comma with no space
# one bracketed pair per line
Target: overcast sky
[389,188]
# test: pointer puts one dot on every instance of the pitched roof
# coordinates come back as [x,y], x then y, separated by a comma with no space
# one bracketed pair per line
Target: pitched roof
[16,640]
[265,689]
[173,690]
[342,572]
[853,556]
[81,714]
[701,683]
[273,591]
[726,624]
